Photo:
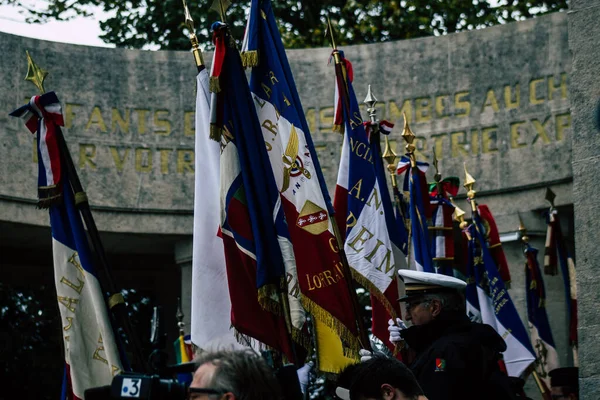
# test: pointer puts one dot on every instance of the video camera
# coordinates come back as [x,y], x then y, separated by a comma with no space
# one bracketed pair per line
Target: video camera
[160,384]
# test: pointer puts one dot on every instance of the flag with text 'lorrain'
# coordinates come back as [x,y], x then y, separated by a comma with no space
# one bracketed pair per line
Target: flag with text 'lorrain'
[91,352]
[419,210]
[211,305]
[497,308]
[315,265]
[253,257]
[362,202]
[539,326]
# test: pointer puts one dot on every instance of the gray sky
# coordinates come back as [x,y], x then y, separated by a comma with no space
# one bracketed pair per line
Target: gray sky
[79,30]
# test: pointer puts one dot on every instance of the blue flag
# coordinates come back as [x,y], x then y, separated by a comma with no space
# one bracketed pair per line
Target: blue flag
[497,308]
[539,327]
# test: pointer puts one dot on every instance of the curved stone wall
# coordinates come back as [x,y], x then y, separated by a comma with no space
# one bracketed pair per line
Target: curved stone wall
[496,99]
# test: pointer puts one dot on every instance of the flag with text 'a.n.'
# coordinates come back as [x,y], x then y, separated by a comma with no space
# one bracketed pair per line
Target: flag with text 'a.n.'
[497,308]
[316,282]
[249,222]
[363,204]
[92,355]
[539,326]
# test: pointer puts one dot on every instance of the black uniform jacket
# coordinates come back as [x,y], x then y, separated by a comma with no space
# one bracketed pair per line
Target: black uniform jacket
[458,359]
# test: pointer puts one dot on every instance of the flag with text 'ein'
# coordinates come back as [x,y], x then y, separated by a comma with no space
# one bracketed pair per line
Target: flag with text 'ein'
[316,282]
[362,202]
[91,353]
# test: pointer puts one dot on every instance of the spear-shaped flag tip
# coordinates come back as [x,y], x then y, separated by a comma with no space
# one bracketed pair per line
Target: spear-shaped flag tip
[221,6]
[35,74]
[550,196]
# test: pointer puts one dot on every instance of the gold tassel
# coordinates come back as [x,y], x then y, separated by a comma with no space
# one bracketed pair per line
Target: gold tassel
[267,296]
[214,85]
[249,58]
[216,133]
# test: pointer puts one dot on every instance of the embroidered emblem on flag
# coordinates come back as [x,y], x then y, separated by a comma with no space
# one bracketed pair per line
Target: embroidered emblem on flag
[313,218]
[440,364]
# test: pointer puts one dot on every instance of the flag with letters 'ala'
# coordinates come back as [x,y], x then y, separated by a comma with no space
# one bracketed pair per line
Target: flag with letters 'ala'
[91,353]
[315,277]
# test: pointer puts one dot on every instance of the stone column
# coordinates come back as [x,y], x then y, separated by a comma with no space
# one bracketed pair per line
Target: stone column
[183,258]
[584,36]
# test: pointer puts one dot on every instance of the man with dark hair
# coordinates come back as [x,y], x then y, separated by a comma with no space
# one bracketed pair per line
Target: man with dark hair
[564,383]
[456,359]
[380,378]
[233,375]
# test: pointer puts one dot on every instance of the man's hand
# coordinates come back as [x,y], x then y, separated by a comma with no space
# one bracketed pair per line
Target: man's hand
[394,328]
[303,375]
[365,355]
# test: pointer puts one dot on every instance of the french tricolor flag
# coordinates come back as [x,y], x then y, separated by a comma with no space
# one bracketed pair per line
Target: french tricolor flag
[42,116]
[91,354]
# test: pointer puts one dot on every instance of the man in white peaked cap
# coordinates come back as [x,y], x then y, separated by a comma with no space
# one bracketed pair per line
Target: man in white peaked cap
[456,359]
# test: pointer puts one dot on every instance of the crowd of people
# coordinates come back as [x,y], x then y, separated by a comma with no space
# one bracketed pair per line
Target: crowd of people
[455,359]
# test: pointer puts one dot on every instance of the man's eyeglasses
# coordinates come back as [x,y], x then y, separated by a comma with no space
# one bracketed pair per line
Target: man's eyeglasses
[206,391]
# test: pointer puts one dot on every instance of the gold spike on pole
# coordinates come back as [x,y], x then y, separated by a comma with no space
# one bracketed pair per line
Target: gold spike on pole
[189,23]
[523,231]
[469,183]
[35,74]
[409,138]
[550,196]
[221,6]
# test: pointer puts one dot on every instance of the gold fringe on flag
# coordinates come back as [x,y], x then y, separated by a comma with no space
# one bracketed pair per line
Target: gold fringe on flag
[375,292]
[350,341]
[214,86]
[338,129]
[268,299]
[249,58]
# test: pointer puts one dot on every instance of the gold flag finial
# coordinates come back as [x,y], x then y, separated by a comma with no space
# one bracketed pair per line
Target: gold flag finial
[189,23]
[330,30]
[221,6]
[522,230]
[550,196]
[409,138]
[35,74]
[459,216]
[469,183]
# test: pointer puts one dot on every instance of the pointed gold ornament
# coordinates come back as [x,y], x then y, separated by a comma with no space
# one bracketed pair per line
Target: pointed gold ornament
[523,231]
[35,74]
[469,183]
[189,23]
[221,6]
[409,138]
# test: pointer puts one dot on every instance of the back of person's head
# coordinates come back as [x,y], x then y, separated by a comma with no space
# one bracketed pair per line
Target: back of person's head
[370,377]
[243,373]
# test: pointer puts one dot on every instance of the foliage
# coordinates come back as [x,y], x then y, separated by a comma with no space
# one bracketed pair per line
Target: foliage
[159,23]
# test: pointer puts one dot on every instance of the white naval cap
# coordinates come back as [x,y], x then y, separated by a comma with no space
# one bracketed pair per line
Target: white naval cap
[418,283]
